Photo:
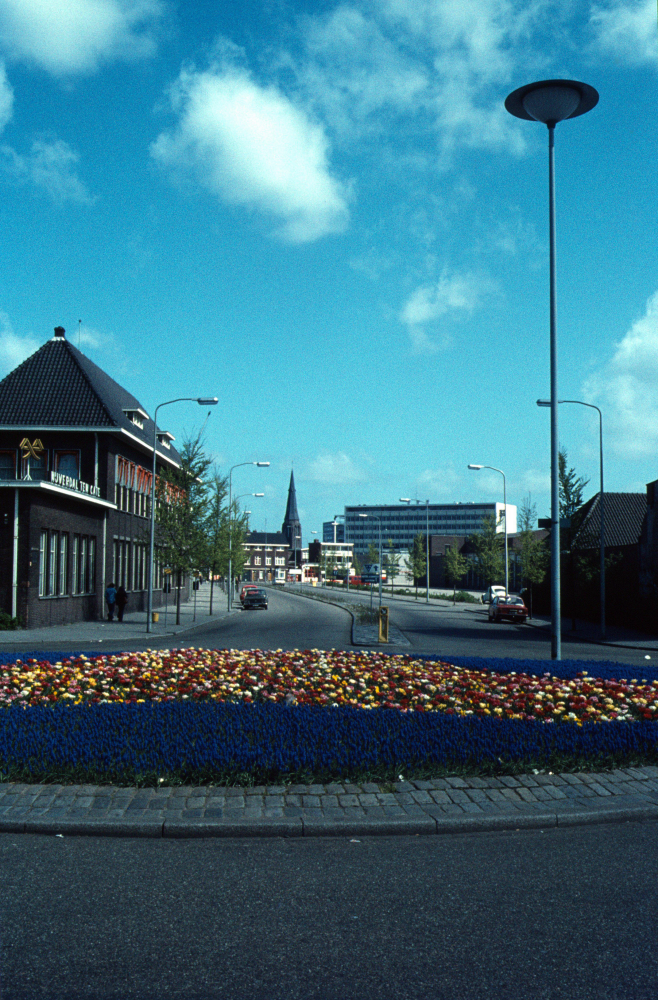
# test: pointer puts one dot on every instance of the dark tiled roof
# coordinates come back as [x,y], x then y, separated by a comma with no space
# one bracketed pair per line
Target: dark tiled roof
[59,387]
[266,538]
[624,515]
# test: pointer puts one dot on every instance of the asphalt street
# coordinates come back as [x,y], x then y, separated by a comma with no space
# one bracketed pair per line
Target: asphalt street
[564,913]
[293,621]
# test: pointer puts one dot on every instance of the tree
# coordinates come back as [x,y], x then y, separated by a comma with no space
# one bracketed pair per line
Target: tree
[216,530]
[417,563]
[488,551]
[373,553]
[571,500]
[455,567]
[534,556]
[182,509]
[391,561]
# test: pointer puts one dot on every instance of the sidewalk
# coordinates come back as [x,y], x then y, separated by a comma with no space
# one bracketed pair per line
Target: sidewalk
[132,628]
[442,805]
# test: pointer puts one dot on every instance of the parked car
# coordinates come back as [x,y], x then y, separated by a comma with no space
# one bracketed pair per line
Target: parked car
[247,587]
[255,599]
[492,592]
[511,607]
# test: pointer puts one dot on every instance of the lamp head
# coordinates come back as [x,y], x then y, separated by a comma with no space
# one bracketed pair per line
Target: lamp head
[543,402]
[258,494]
[363,515]
[207,401]
[262,465]
[551,101]
[405,500]
[476,467]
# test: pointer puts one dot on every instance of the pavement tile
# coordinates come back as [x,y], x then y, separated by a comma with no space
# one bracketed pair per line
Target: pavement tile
[439,796]
[312,801]
[507,781]
[423,785]
[421,796]
[387,799]
[598,789]
[292,811]
[528,781]
[403,786]
[452,809]
[348,800]
[511,794]
[369,787]
[351,789]
[555,793]
[255,790]
[477,795]
[269,813]
[193,813]
[390,811]
[572,779]
[476,782]
[456,783]
[471,807]
[405,798]
[440,784]
[276,789]
[212,812]
[457,795]
[293,800]
[366,800]
[335,788]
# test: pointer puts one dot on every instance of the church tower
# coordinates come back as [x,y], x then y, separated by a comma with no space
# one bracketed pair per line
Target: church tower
[291,526]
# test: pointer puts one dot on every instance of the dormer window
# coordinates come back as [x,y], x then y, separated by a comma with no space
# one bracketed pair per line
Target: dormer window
[165,439]
[136,416]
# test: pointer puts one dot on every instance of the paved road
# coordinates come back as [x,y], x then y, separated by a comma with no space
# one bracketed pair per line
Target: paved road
[564,913]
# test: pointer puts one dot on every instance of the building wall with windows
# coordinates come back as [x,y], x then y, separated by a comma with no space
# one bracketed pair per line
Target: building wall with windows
[268,556]
[401,522]
[76,456]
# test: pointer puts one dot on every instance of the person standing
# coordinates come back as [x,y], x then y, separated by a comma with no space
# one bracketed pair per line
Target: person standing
[121,601]
[110,600]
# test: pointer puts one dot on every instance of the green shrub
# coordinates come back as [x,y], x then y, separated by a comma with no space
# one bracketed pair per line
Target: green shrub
[7,623]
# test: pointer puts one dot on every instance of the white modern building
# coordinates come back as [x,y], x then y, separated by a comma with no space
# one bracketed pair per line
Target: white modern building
[401,522]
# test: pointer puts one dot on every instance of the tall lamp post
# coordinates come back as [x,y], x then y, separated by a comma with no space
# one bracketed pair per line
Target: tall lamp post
[375,518]
[547,402]
[202,401]
[427,545]
[493,469]
[229,589]
[550,102]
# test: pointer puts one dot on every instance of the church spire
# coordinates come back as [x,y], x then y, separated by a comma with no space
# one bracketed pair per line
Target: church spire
[291,526]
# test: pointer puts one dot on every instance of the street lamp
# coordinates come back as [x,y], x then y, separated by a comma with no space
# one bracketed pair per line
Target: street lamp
[547,402]
[427,545]
[493,469]
[550,102]
[202,401]
[349,561]
[260,465]
[375,518]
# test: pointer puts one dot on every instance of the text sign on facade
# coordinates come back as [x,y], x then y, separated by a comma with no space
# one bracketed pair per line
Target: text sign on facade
[77,485]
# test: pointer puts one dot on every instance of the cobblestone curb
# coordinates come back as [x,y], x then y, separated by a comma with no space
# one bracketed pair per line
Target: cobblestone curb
[441,805]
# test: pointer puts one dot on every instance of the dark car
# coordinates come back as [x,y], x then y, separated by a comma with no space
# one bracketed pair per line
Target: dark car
[247,587]
[510,607]
[255,599]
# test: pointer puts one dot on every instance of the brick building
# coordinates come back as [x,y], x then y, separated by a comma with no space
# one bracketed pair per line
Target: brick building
[76,453]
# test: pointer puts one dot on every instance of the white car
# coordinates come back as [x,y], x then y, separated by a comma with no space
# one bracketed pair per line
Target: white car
[492,592]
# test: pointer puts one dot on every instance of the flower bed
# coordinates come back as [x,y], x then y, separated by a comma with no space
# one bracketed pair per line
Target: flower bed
[215,715]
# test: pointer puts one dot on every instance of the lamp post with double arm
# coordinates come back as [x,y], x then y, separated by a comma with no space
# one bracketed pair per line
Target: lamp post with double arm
[379,520]
[202,401]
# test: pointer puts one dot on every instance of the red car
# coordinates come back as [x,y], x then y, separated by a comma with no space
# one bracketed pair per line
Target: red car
[247,587]
[510,607]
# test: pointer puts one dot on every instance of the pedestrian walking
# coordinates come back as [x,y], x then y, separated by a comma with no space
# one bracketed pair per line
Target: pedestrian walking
[121,601]
[110,600]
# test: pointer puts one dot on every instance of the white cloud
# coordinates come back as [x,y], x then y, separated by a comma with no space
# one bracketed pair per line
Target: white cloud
[369,64]
[50,165]
[13,349]
[626,388]
[6,97]
[252,146]
[452,294]
[75,36]
[626,30]
[337,468]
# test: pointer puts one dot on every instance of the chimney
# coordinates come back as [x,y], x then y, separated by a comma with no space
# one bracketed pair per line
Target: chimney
[59,332]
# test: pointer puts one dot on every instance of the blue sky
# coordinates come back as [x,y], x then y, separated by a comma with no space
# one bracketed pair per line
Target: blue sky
[323,214]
